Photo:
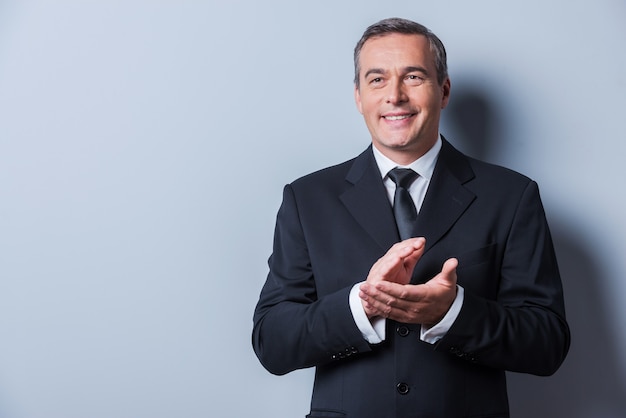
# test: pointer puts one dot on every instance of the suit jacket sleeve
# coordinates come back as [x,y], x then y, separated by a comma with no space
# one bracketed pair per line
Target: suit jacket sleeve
[524,328]
[293,327]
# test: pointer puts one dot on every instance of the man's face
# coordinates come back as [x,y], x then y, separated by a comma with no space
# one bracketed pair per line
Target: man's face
[399,96]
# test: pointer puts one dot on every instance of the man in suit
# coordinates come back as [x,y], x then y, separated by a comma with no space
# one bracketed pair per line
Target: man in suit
[410,307]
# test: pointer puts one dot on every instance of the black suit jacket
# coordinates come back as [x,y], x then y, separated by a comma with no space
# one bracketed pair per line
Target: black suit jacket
[335,223]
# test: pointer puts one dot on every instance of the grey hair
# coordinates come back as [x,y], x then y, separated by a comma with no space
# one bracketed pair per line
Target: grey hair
[406,27]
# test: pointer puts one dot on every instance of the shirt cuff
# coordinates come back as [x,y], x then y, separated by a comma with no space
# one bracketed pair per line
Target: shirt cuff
[374,331]
[438,331]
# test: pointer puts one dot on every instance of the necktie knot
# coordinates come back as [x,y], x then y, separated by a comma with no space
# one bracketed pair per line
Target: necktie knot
[403,177]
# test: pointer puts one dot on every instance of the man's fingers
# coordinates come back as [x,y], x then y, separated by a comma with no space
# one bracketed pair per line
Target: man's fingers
[394,293]
[398,263]
[374,302]
[422,303]
[407,247]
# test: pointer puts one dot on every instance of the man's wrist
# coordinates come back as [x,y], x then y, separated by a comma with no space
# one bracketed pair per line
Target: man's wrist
[432,334]
[373,330]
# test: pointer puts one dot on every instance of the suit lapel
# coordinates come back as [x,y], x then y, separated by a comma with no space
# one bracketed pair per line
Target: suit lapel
[446,198]
[445,201]
[367,200]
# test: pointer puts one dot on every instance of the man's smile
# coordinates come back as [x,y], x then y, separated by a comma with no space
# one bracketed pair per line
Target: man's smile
[398,117]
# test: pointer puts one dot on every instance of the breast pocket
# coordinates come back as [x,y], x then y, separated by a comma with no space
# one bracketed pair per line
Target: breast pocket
[479,272]
[477,256]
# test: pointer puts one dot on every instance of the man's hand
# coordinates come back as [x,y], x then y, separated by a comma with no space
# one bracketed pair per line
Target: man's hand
[424,304]
[396,266]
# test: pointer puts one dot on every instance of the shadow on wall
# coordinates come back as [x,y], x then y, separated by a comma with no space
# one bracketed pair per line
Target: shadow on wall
[475,121]
[589,383]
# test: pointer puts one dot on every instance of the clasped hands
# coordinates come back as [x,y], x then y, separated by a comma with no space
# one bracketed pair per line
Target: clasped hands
[387,292]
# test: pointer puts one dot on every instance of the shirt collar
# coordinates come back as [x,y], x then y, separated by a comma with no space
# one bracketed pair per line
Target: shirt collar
[424,166]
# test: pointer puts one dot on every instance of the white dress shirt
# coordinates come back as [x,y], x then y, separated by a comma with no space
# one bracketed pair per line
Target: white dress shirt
[374,331]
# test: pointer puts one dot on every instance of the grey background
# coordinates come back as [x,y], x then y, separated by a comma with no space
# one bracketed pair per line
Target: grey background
[143,150]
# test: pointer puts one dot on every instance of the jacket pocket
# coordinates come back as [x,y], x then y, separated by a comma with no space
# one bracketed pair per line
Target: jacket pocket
[477,256]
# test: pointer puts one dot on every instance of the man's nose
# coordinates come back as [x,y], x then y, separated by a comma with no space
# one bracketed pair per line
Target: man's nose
[396,92]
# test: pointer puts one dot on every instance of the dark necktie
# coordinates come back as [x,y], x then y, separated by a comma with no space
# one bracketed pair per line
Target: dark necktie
[403,206]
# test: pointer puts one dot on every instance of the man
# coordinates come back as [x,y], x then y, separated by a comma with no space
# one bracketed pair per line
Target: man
[410,300]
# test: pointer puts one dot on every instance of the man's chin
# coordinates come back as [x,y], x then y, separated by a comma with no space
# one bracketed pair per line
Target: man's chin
[403,145]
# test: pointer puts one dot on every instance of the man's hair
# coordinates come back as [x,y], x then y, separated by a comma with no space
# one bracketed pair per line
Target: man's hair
[406,27]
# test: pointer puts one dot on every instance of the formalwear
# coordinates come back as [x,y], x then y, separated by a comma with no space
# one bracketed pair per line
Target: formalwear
[331,228]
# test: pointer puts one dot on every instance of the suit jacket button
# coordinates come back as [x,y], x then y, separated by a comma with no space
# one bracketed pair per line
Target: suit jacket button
[403,331]
[402,388]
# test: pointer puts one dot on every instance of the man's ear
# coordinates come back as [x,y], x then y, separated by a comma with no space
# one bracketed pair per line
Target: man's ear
[357,99]
[445,98]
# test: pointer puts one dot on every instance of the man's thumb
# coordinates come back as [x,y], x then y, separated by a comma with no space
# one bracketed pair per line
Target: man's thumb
[449,269]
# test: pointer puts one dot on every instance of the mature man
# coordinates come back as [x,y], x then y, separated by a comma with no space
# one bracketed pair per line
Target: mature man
[412,277]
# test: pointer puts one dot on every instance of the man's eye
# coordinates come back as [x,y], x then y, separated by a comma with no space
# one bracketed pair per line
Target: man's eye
[376,80]
[414,79]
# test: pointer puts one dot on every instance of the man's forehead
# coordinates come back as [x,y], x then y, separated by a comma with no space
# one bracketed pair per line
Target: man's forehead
[405,50]
[391,44]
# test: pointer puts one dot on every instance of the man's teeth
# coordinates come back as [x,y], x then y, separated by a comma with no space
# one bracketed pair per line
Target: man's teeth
[397,117]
